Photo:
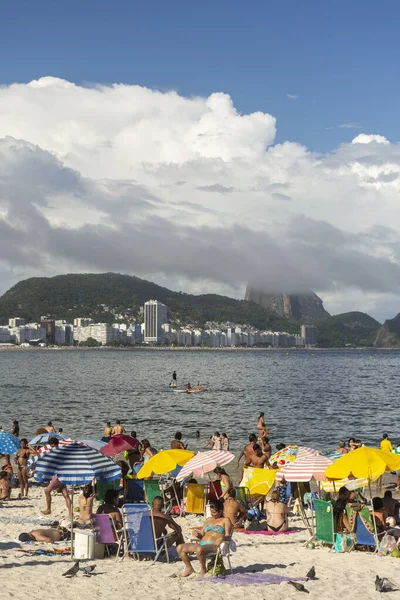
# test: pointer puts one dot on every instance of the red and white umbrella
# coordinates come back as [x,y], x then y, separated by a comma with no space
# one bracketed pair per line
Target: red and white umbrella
[47,448]
[304,468]
[205,462]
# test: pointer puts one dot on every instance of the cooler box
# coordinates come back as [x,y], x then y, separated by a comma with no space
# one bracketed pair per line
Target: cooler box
[83,545]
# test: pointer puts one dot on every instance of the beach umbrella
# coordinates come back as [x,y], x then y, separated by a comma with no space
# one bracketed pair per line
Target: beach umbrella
[290,454]
[33,460]
[75,464]
[305,468]
[96,444]
[351,484]
[258,481]
[119,443]
[165,462]
[365,462]
[205,462]
[9,443]
[43,438]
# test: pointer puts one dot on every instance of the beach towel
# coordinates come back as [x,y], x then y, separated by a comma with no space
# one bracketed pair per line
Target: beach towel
[365,516]
[263,532]
[54,552]
[243,579]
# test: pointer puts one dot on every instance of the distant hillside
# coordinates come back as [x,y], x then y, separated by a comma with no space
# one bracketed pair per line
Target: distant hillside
[388,335]
[306,308]
[82,295]
[353,328]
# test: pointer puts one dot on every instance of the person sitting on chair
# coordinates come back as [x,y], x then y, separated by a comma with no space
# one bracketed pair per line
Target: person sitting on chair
[162,521]
[110,507]
[215,529]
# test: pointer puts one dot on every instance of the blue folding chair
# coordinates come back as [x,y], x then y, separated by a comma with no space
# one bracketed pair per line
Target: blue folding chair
[364,537]
[135,491]
[139,533]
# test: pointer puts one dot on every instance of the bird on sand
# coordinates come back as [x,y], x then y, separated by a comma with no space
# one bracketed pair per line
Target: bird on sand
[88,570]
[310,574]
[299,586]
[72,571]
[384,585]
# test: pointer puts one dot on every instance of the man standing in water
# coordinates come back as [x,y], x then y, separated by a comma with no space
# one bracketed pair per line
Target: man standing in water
[174,378]
[117,429]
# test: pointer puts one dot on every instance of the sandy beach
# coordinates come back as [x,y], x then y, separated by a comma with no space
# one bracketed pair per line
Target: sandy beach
[338,575]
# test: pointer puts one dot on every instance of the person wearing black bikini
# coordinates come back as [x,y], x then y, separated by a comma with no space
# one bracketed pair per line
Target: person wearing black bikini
[23,455]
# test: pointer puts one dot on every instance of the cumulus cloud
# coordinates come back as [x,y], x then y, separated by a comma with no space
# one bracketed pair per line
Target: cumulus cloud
[193,194]
[292,96]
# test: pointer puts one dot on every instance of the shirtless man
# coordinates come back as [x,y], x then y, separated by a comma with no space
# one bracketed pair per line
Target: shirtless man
[177,443]
[107,430]
[266,447]
[46,535]
[117,429]
[49,428]
[23,455]
[342,448]
[55,485]
[162,521]
[234,510]
[258,459]
[247,451]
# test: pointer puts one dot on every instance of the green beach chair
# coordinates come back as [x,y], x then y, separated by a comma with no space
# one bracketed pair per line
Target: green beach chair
[102,487]
[151,490]
[324,523]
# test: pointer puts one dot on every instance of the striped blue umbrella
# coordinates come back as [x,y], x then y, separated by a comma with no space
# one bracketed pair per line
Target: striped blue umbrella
[9,443]
[43,438]
[96,444]
[76,464]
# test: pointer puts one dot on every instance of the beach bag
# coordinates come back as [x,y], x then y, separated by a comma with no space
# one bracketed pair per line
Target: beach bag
[219,570]
[388,544]
[344,542]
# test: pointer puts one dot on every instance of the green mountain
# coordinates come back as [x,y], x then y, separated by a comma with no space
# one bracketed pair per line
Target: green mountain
[101,296]
[347,329]
[388,335]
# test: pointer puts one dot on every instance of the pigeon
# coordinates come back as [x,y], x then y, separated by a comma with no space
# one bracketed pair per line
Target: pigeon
[310,574]
[299,586]
[88,570]
[72,571]
[384,585]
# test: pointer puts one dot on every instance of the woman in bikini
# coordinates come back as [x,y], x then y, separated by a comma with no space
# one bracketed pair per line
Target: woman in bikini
[23,455]
[261,426]
[215,529]
[85,501]
[276,513]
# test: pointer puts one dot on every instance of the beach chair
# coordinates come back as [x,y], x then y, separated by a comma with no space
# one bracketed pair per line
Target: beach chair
[139,534]
[214,491]
[152,490]
[243,495]
[195,498]
[135,491]
[224,550]
[106,532]
[102,487]
[324,523]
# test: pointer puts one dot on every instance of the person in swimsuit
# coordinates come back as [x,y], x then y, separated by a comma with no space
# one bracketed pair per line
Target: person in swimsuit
[261,426]
[177,443]
[110,507]
[107,432]
[5,486]
[15,429]
[225,442]
[148,450]
[258,459]
[49,428]
[85,501]
[162,521]
[215,529]
[118,429]
[224,479]
[22,457]
[266,447]
[234,510]
[55,534]
[276,513]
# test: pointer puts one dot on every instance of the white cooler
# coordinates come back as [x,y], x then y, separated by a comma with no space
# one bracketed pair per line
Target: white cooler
[83,545]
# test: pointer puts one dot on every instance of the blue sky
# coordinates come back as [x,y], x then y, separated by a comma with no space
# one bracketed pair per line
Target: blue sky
[339,58]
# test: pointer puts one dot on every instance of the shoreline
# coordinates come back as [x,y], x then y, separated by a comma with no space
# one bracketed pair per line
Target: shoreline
[191,349]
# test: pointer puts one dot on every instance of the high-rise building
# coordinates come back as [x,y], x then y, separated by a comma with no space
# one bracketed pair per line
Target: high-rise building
[50,326]
[155,315]
[309,335]
[16,322]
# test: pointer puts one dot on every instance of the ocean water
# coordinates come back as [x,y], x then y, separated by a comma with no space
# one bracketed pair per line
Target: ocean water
[311,398]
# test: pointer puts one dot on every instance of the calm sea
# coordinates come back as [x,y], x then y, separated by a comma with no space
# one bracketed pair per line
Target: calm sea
[313,398]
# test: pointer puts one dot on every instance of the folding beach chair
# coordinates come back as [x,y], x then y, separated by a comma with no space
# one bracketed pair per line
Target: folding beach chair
[139,534]
[243,495]
[135,491]
[214,491]
[102,487]
[152,490]
[224,550]
[195,498]
[106,532]
[324,523]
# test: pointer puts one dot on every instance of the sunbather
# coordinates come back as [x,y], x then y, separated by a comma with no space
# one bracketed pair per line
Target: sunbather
[54,534]
[215,529]
[162,521]
[85,501]
[276,513]
[234,510]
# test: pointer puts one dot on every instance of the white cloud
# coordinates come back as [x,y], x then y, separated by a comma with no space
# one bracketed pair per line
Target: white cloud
[350,126]
[292,96]
[188,190]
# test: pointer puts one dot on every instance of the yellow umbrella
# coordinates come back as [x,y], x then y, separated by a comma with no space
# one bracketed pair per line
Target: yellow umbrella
[351,484]
[368,463]
[259,481]
[165,462]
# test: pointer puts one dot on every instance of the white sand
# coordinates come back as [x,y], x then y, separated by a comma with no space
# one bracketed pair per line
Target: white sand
[339,575]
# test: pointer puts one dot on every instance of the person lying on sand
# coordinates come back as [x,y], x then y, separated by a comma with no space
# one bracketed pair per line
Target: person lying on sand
[215,529]
[54,534]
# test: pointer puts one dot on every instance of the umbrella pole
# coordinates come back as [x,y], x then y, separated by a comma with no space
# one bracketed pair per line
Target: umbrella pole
[373,517]
[303,512]
[72,523]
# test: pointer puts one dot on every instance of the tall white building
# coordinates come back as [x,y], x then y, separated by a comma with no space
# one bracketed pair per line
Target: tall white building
[101,332]
[16,322]
[155,315]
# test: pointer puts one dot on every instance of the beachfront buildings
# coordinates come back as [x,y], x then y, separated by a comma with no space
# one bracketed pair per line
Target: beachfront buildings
[309,335]
[155,316]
